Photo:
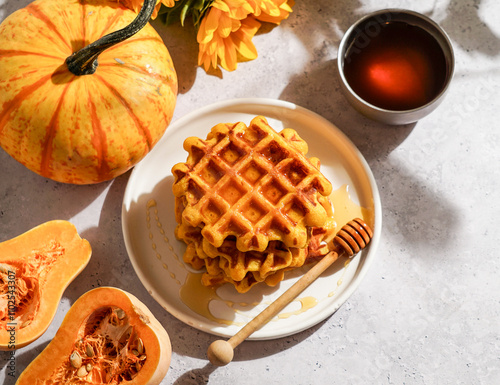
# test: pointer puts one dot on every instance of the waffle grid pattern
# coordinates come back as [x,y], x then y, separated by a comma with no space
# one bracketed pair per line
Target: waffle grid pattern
[253,184]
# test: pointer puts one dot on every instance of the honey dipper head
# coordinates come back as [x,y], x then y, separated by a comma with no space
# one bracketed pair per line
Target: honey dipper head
[220,353]
[353,236]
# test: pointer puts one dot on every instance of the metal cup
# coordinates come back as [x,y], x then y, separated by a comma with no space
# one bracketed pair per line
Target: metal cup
[394,117]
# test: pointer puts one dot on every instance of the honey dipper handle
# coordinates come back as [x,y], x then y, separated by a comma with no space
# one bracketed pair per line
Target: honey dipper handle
[221,352]
[288,296]
[353,237]
[274,308]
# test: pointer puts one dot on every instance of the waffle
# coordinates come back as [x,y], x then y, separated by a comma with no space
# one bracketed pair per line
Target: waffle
[245,269]
[252,184]
[216,277]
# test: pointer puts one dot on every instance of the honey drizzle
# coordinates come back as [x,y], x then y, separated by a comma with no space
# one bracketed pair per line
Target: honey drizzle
[345,209]
[150,205]
[198,297]
[306,303]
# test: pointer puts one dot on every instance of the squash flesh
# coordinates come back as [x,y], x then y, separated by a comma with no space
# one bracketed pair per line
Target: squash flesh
[111,342]
[116,358]
[27,279]
[35,269]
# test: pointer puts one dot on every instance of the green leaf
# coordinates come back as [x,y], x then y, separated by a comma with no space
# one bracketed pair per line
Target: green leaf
[185,10]
[200,4]
[182,9]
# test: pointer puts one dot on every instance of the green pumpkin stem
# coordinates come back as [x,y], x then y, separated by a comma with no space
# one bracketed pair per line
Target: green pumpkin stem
[84,61]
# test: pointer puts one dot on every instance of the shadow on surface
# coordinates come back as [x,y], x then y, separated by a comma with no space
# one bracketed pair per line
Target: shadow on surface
[199,376]
[19,214]
[183,48]
[246,351]
[10,6]
[21,358]
[401,186]
[464,25]
[372,138]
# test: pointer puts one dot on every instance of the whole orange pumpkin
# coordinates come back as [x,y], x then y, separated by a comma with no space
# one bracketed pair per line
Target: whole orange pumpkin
[97,120]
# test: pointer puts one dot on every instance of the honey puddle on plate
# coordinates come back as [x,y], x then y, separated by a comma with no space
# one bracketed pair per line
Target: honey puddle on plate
[198,297]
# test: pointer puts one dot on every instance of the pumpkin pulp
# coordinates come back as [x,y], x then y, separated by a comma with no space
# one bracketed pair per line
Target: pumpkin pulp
[107,350]
[20,285]
[35,269]
[107,336]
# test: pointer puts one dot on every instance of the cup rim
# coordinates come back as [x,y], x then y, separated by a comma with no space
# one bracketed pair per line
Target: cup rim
[448,46]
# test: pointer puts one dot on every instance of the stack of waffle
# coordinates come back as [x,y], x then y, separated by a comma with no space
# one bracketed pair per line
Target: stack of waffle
[250,205]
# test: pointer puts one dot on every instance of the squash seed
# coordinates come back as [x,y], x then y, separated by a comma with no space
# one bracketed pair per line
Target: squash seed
[140,346]
[89,367]
[135,352]
[82,372]
[120,313]
[89,350]
[133,375]
[6,268]
[75,360]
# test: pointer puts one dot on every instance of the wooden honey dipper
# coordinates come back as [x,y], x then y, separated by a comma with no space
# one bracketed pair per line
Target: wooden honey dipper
[352,238]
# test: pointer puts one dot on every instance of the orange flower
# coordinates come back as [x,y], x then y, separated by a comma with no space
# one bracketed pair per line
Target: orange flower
[136,5]
[225,32]
[271,11]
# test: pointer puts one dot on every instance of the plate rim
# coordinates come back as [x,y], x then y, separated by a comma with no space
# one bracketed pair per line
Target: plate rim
[280,104]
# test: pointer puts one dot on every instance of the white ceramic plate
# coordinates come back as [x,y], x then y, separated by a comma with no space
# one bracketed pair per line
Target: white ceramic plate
[148,225]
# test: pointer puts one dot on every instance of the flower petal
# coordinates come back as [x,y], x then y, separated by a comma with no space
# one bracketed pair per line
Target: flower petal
[243,38]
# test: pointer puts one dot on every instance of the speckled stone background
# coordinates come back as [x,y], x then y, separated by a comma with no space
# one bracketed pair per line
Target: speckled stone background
[428,310]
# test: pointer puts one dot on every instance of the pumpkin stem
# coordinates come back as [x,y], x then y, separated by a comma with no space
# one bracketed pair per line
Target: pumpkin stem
[84,61]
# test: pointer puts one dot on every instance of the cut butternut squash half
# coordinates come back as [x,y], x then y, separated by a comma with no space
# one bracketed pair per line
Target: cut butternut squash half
[35,269]
[107,337]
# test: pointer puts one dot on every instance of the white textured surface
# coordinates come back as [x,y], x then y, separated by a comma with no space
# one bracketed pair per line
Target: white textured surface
[428,310]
